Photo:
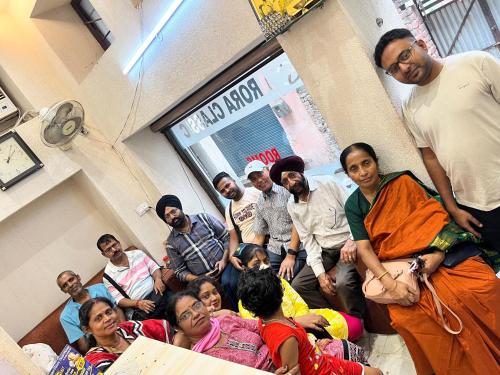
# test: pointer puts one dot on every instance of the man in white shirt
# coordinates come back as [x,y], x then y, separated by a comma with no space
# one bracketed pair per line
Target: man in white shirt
[453,112]
[317,210]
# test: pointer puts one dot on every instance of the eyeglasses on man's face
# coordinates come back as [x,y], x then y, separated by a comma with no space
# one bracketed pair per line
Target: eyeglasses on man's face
[188,314]
[403,58]
[110,246]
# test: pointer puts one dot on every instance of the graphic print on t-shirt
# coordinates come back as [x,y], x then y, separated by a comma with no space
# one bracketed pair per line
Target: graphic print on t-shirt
[244,214]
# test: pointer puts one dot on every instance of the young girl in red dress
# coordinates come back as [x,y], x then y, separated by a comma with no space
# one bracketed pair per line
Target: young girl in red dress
[261,292]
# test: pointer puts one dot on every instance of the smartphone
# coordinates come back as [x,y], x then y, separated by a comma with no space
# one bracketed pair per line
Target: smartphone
[214,272]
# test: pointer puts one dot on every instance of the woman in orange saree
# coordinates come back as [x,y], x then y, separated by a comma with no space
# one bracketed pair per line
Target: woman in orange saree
[395,216]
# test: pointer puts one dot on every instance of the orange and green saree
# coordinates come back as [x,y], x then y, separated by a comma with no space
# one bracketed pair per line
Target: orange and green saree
[405,219]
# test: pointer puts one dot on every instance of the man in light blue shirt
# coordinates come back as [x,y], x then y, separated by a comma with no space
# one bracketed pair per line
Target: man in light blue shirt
[69,282]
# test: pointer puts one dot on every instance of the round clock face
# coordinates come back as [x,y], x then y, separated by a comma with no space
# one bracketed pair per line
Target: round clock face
[13,160]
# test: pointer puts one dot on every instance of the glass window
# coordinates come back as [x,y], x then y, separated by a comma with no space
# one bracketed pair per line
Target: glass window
[266,116]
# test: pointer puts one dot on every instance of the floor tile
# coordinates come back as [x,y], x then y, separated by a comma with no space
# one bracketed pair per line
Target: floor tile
[389,353]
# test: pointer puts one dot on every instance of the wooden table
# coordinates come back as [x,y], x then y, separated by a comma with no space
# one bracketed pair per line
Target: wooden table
[150,357]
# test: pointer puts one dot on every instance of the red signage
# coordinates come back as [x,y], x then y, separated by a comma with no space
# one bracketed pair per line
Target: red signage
[266,156]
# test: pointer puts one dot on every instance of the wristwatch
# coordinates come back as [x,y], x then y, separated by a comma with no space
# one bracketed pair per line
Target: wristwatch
[292,252]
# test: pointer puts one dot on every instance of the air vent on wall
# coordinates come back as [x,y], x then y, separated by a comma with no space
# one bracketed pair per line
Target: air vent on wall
[7,109]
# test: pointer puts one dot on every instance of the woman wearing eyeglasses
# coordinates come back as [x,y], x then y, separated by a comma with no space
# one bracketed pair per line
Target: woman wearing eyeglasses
[109,339]
[225,337]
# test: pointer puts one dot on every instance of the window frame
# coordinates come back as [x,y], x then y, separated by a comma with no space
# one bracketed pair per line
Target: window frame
[90,23]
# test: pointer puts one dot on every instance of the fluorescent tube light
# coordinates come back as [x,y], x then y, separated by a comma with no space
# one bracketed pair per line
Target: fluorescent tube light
[168,14]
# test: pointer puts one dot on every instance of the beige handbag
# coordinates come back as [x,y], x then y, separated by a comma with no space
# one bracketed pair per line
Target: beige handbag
[399,270]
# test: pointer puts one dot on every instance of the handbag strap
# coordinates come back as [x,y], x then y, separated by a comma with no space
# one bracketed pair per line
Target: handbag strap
[438,303]
[236,228]
[115,284]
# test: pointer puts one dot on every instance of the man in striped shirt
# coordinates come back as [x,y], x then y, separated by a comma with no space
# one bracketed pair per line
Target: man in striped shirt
[197,245]
[138,278]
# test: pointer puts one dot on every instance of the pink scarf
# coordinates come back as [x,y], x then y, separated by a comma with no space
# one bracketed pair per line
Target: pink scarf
[210,339]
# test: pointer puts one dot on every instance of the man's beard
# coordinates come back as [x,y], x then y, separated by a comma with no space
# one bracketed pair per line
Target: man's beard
[301,187]
[427,68]
[178,222]
[234,193]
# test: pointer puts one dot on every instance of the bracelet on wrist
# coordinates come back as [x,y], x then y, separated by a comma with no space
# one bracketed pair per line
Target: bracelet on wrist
[292,252]
[385,273]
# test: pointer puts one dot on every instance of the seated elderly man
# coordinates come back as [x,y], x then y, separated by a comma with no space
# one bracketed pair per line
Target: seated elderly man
[198,245]
[69,282]
[134,280]
[284,249]
[316,206]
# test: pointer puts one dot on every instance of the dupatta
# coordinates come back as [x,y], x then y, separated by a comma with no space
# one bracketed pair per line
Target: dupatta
[407,217]
[210,339]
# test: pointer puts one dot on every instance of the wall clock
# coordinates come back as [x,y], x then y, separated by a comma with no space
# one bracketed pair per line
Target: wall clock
[17,160]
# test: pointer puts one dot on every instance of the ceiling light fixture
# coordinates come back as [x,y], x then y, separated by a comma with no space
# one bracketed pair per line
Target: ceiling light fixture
[163,21]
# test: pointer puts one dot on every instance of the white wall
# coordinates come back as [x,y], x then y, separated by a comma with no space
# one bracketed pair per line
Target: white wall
[363,15]
[159,161]
[198,41]
[64,20]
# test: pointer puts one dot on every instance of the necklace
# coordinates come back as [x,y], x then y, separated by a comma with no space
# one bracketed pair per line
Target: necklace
[118,347]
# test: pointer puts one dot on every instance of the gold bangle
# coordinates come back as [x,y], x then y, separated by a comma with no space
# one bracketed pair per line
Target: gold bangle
[385,273]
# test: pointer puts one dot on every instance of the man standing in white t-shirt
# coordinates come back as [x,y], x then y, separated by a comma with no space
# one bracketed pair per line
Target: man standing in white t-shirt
[240,213]
[453,112]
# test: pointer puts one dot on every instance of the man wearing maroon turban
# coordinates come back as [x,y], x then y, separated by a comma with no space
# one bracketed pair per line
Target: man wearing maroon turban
[317,210]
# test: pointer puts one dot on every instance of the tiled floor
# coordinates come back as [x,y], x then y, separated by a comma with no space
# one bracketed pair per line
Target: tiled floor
[388,353]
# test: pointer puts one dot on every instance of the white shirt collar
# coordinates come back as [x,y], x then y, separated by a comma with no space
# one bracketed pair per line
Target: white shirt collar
[313,184]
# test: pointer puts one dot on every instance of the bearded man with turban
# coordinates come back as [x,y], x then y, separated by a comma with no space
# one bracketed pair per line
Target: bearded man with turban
[316,207]
[198,245]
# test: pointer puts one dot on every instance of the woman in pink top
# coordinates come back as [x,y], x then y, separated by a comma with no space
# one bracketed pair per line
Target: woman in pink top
[226,337]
